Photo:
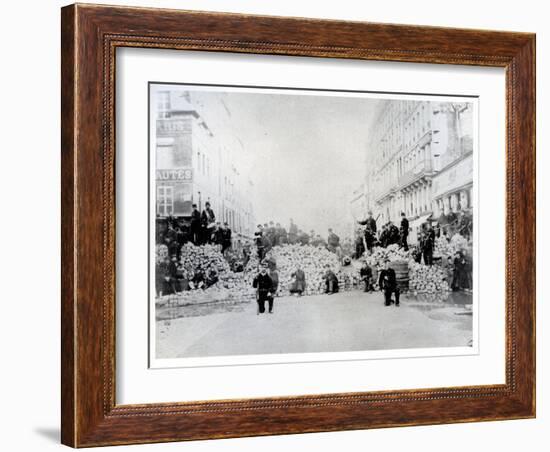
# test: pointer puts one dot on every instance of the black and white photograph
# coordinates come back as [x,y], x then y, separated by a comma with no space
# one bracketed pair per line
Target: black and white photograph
[297,221]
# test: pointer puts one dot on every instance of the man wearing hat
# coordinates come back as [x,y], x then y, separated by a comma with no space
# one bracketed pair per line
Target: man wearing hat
[264,290]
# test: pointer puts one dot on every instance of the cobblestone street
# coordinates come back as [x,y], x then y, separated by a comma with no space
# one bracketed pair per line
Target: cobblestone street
[348,321]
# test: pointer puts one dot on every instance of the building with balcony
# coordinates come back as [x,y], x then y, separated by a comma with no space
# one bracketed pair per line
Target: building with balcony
[412,149]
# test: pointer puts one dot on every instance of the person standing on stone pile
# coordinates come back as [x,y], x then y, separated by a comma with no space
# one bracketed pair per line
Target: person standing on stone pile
[266,246]
[258,238]
[264,286]
[226,236]
[404,232]
[387,282]
[370,230]
[366,276]
[208,223]
[195,225]
[359,244]
[292,233]
[393,234]
[427,242]
[331,281]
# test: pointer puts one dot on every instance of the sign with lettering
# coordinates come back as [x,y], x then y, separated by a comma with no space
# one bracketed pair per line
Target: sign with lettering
[178,174]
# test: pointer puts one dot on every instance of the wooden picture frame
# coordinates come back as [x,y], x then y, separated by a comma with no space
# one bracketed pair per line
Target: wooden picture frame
[90,35]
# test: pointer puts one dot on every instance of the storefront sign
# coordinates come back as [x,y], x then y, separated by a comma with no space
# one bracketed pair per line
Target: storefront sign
[181,174]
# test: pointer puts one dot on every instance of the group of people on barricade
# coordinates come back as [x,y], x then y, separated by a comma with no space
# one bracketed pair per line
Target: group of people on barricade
[271,234]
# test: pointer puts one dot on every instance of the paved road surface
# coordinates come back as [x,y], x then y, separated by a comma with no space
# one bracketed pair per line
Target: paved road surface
[349,321]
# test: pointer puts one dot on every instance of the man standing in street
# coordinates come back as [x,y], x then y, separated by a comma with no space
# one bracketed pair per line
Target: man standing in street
[208,223]
[388,284]
[264,286]
[404,231]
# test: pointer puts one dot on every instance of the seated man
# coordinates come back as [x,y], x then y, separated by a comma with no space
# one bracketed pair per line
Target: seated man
[331,281]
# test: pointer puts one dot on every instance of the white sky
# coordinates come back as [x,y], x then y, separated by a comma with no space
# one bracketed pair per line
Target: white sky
[304,153]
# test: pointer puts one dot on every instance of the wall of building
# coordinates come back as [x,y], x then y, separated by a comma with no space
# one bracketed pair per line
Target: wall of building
[195,162]
[412,150]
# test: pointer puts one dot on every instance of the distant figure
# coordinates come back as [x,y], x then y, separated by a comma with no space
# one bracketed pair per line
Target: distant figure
[292,233]
[388,284]
[333,242]
[298,286]
[404,232]
[258,236]
[195,225]
[264,286]
[331,281]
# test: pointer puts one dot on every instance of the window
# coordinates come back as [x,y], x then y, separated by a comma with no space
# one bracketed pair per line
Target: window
[163,104]
[165,200]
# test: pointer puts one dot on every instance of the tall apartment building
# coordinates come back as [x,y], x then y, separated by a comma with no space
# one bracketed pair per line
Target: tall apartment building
[419,159]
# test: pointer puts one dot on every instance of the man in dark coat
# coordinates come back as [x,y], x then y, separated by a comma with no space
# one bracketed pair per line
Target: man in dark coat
[393,234]
[404,231]
[370,230]
[298,285]
[388,284]
[218,235]
[208,223]
[195,225]
[427,244]
[264,287]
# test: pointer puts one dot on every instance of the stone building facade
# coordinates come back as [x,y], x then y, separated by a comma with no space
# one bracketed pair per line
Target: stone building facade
[419,159]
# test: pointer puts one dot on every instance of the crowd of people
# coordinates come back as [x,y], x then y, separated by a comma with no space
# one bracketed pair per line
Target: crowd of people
[203,229]
[200,230]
